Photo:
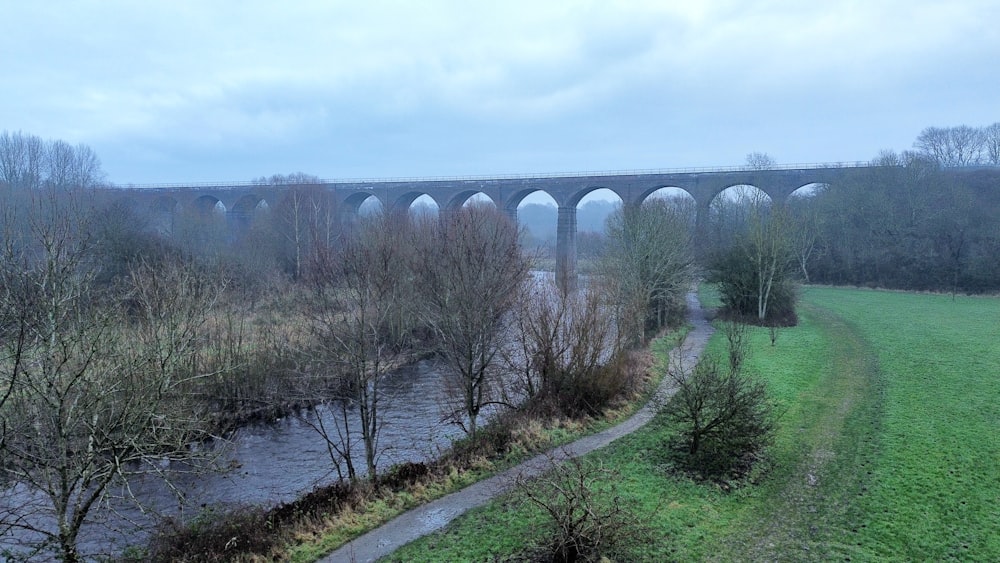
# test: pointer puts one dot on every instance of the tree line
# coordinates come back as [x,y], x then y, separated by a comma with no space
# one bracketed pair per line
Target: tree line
[960,145]
[907,223]
[923,219]
[30,162]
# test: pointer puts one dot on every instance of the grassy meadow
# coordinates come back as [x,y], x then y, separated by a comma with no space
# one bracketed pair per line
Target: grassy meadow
[888,448]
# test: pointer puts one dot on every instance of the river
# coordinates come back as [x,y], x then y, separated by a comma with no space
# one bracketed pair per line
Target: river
[268,464]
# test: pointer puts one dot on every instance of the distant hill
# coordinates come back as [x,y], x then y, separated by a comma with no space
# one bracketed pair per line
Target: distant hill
[540,219]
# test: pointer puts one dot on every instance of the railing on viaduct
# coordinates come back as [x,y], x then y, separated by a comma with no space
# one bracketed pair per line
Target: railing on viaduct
[241,200]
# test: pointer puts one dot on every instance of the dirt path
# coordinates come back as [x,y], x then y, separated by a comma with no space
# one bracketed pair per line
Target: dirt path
[819,496]
[437,514]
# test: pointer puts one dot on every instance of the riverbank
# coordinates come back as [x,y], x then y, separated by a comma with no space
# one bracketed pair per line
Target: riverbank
[318,522]
[435,515]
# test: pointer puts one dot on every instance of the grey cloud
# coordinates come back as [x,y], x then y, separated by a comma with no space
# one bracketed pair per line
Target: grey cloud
[195,90]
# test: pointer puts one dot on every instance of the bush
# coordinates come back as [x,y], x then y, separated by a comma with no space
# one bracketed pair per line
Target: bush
[723,418]
[213,536]
[586,391]
[247,532]
[567,351]
[586,518]
[740,284]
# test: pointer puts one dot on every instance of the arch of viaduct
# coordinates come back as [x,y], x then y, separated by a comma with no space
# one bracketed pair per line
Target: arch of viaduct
[240,202]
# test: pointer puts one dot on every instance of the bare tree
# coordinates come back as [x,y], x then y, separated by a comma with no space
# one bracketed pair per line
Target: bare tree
[967,143]
[22,158]
[952,146]
[935,142]
[771,249]
[90,395]
[27,163]
[647,266]
[563,346]
[357,296]
[804,218]
[759,161]
[753,269]
[991,141]
[171,305]
[13,341]
[470,274]
[728,218]
[306,218]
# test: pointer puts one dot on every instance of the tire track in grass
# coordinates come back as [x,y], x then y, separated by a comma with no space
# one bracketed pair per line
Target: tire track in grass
[814,515]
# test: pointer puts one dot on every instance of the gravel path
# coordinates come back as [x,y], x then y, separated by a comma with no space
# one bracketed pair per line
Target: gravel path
[435,515]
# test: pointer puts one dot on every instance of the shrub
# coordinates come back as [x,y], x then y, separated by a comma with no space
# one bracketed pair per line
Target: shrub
[567,351]
[585,517]
[247,532]
[723,417]
[741,287]
[587,391]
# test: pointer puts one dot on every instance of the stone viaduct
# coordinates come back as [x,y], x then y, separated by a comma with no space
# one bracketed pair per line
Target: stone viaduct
[241,201]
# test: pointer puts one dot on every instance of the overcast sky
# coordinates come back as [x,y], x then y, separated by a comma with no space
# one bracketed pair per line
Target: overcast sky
[179,91]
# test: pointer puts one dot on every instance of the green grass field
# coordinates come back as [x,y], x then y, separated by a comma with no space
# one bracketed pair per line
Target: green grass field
[935,483]
[888,448]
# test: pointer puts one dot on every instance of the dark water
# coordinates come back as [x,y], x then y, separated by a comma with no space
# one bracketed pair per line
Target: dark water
[277,462]
[268,464]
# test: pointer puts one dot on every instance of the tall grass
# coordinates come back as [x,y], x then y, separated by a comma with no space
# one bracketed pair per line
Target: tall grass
[250,363]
